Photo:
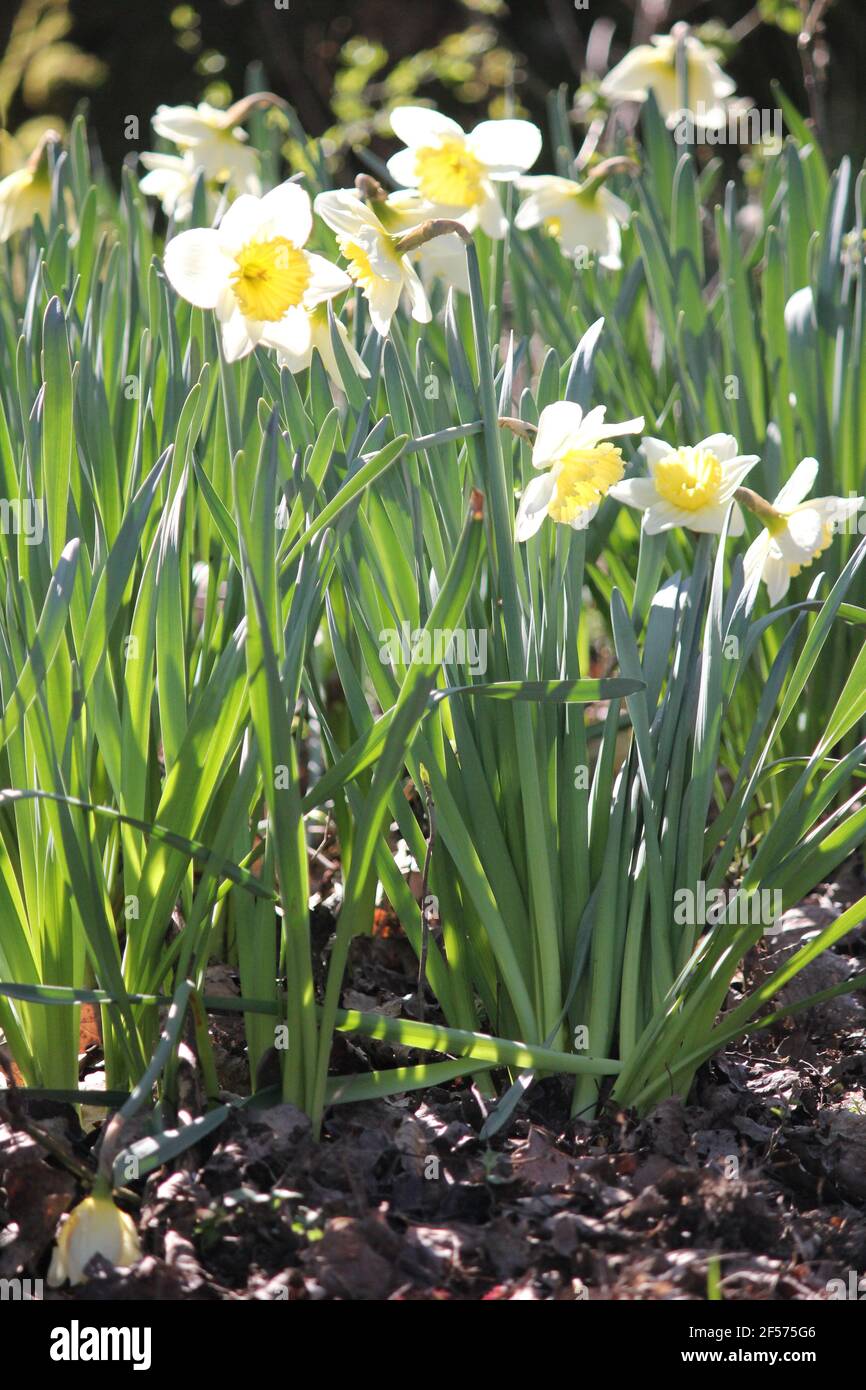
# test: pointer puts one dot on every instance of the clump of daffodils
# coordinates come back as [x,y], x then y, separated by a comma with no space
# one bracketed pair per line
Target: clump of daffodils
[584,218]
[254,273]
[457,173]
[797,529]
[579,467]
[375,263]
[691,486]
[26,193]
[652,67]
[95,1227]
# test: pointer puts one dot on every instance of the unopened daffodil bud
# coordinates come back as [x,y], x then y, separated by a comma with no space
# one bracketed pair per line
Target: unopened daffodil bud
[95,1227]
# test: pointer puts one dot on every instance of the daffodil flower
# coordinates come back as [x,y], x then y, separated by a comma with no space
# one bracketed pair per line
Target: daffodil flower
[374,263]
[795,533]
[580,216]
[320,340]
[95,1227]
[652,67]
[692,486]
[253,272]
[26,192]
[214,140]
[580,463]
[457,172]
[171,178]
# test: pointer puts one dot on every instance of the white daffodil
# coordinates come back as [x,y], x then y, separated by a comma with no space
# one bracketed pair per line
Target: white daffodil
[652,67]
[692,486]
[320,340]
[95,1227]
[26,192]
[795,532]
[214,140]
[253,272]
[457,172]
[580,464]
[442,257]
[171,178]
[374,263]
[582,217]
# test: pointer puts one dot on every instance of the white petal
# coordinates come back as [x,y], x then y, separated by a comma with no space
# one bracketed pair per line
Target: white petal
[735,470]
[410,206]
[177,163]
[557,424]
[777,577]
[418,126]
[326,280]
[617,207]
[635,492]
[227,303]
[298,362]
[592,426]
[631,78]
[591,229]
[402,167]
[240,336]
[171,179]
[292,332]
[738,525]
[421,311]
[488,214]
[530,213]
[180,124]
[540,183]
[624,427]
[663,516]
[756,557]
[242,222]
[835,510]
[724,446]
[611,260]
[344,212]
[383,299]
[798,486]
[289,211]
[444,258]
[197,267]
[802,538]
[507,147]
[654,450]
[377,247]
[533,506]
[322,342]
[582,520]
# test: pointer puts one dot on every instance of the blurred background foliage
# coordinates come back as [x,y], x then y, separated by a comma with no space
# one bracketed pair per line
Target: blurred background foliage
[342,65]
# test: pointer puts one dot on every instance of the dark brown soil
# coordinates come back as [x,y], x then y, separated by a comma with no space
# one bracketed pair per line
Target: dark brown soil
[759,1183]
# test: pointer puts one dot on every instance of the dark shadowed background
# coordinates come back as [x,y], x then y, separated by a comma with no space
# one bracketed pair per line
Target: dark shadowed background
[339,62]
